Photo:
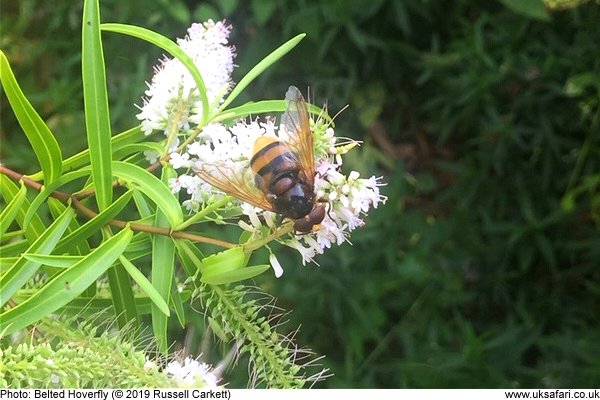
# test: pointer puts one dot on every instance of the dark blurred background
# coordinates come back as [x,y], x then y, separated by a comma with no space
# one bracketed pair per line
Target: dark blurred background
[483,268]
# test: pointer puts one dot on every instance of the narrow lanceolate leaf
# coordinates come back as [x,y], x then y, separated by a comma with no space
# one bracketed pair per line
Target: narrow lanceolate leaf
[47,191]
[22,270]
[9,214]
[56,208]
[41,138]
[163,264]
[81,248]
[95,224]
[36,227]
[152,187]
[137,148]
[177,303]
[95,98]
[91,307]
[66,286]
[253,107]
[235,276]
[145,285]
[172,48]
[189,256]
[229,266]
[82,158]
[122,297]
[261,66]
[263,107]
[53,261]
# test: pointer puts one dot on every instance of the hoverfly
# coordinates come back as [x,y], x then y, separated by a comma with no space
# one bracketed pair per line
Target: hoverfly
[283,171]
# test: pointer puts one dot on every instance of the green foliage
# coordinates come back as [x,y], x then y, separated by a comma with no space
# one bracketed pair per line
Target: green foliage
[65,260]
[85,357]
[95,101]
[43,143]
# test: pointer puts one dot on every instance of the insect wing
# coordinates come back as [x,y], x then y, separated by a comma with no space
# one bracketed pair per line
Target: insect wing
[297,124]
[235,180]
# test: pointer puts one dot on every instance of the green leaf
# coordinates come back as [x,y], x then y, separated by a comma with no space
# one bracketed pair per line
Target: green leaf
[22,270]
[528,8]
[177,303]
[170,47]
[85,306]
[36,227]
[95,99]
[9,214]
[123,299]
[228,266]
[228,260]
[65,286]
[151,186]
[52,260]
[140,246]
[145,285]
[13,249]
[261,67]
[190,256]
[264,107]
[163,264]
[95,224]
[39,135]
[48,189]
[82,158]
[136,148]
[234,275]
[80,248]
[141,204]
[258,107]
[90,307]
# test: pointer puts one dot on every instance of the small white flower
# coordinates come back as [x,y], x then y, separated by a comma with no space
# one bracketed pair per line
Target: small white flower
[54,379]
[276,266]
[180,160]
[191,205]
[245,226]
[192,374]
[151,156]
[307,253]
[149,365]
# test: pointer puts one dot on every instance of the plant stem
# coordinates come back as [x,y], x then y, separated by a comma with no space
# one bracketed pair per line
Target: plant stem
[283,230]
[201,214]
[67,198]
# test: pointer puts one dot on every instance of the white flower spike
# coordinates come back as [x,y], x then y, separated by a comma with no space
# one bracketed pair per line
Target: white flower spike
[173,105]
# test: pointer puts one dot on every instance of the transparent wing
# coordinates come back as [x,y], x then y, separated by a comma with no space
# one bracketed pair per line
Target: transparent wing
[297,124]
[235,180]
